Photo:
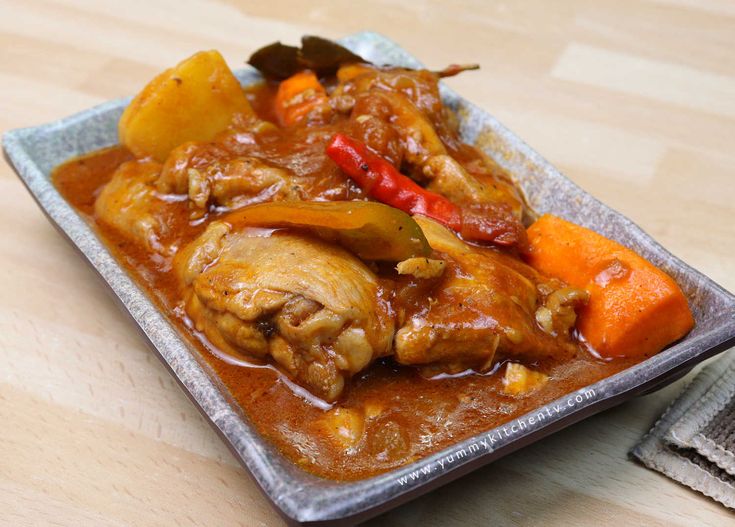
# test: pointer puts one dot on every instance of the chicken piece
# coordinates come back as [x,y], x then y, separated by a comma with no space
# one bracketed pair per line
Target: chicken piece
[210,175]
[420,87]
[311,306]
[129,205]
[409,100]
[494,201]
[370,122]
[480,310]
[418,139]
[174,178]
[238,182]
[558,314]
[288,164]
[494,196]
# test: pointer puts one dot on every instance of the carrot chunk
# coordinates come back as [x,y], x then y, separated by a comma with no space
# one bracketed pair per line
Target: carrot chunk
[634,310]
[297,96]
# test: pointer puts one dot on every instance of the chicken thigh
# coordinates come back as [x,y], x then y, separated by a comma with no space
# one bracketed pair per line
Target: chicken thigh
[311,306]
[129,205]
[483,308]
[211,175]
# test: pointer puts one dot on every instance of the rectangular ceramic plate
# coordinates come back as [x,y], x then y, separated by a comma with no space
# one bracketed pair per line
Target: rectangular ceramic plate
[302,497]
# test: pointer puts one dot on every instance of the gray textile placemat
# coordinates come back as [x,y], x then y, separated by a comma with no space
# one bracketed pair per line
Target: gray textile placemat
[694,441]
[709,427]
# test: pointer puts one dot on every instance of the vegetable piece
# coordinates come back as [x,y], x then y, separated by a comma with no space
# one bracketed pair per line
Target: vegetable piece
[193,101]
[384,182]
[279,61]
[325,56]
[343,426]
[350,71]
[440,238]
[519,380]
[298,96]
[634,309]
[371,230]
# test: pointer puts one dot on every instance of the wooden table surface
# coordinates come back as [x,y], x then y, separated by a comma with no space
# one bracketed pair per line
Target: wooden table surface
[633,100]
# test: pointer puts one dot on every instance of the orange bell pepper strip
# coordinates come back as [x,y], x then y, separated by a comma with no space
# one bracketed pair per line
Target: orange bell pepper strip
[635,309]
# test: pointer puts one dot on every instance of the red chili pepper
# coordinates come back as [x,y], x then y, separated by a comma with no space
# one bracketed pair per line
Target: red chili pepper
[382,181]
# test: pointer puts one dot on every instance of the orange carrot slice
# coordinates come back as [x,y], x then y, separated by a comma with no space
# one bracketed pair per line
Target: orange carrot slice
[635,309]
[297,96]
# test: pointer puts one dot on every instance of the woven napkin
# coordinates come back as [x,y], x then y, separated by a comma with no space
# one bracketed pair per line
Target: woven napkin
[694,441]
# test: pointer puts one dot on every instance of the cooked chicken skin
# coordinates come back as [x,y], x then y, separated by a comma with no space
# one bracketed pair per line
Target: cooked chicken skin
[420,87]
[313,307]
[480,311]
[418,137]
[210,175]
[128,204]
[448,177]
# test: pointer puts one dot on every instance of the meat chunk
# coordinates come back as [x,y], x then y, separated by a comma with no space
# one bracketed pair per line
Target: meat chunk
[210,175]
[420,87]
[492,201]
[418,139]
[243,168]
[129,205]
[370,122]
[494,195]
[312,307]
[482,309]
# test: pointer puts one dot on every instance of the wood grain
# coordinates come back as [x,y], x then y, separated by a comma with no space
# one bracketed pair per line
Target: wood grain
[633,100]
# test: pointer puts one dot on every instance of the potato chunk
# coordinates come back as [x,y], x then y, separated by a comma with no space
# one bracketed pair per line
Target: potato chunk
[520,380]
[344,426]
[193,101]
